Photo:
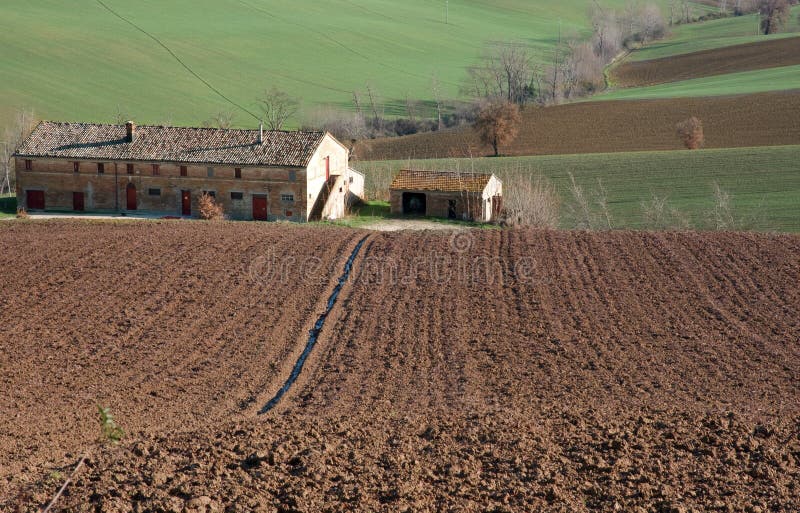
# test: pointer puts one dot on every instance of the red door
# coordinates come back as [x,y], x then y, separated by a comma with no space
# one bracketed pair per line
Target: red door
[35,200]
[260,208]
[77,202]
[186,203]
[130,193]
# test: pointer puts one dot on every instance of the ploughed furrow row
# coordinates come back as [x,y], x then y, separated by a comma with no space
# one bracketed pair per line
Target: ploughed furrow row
[194,319]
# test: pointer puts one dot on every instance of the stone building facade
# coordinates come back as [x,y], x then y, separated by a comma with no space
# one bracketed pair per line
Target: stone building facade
[453,195]
[255,175]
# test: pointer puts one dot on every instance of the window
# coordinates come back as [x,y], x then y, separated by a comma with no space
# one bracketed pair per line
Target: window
[237,195]
[101,168]
[154,192]
[156,171]
[76,167]
[292,176]
[289,198]
[351,179]
[213,194]
[210,172]
[28,165]
[238,172]
[184,171]
[129,168]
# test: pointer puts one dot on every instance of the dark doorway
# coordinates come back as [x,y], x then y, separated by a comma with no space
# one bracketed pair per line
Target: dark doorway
[34,200]
[260,208]
[497,206]
[77,202]
[414,203]
[186,203]
[130,195]
[451,209]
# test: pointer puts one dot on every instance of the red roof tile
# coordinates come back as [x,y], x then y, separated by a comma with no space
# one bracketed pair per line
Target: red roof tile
[448,181]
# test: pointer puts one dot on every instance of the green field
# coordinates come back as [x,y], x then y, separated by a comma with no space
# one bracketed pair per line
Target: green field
[758,81]
[764,182]
[78,61]
[696,37]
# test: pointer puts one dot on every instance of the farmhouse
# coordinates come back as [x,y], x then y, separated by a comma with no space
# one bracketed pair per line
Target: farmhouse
[466,196]
[254,174]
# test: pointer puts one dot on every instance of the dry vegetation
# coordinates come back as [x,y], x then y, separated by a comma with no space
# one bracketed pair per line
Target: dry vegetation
[691,133]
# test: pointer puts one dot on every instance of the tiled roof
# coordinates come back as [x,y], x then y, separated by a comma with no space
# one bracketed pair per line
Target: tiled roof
[449,181]
[170,144]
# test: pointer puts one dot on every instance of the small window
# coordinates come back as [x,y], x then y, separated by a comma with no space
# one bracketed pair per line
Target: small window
[184,171]
[289,198]
[292,176]
[28,165]
[156,172]
[351,179]
[213,194]
[210,172]
[154,192]
[238,172]
[237,195]
[76,167]
[129,168]
[101,168]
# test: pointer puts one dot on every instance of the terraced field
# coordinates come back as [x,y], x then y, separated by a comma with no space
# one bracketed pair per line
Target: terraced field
[772,53]
[765,119]
[504,370]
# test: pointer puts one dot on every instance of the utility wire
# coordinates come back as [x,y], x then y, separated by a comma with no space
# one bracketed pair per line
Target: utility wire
[186,66]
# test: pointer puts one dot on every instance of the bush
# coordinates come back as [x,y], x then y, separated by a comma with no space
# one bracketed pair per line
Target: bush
[22,213]
[209,208]
[691,133]
[529,201]
[109,429]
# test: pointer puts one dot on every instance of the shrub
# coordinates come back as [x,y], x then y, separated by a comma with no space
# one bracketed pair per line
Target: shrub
[530,201]
[497,124]
[22,213]
[109,429]
[209,208]
[691,133]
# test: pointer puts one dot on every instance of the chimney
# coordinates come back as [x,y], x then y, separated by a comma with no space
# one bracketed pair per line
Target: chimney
[130,129]
[261,133]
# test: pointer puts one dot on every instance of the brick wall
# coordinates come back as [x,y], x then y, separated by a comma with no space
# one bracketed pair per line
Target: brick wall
[107,191]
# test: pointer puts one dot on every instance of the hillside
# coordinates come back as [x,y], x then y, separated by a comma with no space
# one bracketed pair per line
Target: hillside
[558,371]
[763,119]
[764,183]
[78,61]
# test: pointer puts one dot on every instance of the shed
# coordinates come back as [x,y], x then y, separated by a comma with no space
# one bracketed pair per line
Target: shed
[448,194]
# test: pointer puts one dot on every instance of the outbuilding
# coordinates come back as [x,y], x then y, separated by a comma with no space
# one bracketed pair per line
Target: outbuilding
[448,194]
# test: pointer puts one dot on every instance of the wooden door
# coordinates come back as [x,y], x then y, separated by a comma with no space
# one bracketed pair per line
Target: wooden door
[186,203]
[260,208]
[77,202]
[327,168]
[34,200]
[130,195]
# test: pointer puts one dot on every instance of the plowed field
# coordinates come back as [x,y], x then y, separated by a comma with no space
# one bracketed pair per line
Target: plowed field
[493,371]
[765,119]
[719,61]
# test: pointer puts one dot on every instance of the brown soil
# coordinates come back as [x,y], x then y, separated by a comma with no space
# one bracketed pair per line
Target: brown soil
[764,119]
[468,371]
[718,61]
[172,325]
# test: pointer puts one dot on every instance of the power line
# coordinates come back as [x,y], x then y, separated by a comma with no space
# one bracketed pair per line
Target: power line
[185,66]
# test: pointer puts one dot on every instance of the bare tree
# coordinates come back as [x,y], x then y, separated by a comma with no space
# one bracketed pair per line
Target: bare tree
[277,107]
[530,200]
[691,133]
[506,71]
[497,123]
[22,125]
[375,105]
[436,89]
[774,15]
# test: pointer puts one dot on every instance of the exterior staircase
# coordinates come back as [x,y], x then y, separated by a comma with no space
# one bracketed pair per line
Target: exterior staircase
[322,199]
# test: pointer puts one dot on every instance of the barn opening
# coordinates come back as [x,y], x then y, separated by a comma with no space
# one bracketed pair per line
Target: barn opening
[414,203]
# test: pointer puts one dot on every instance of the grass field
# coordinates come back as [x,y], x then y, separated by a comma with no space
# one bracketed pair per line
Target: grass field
[77,61]
[746,82]
[712,34]
[764,182]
